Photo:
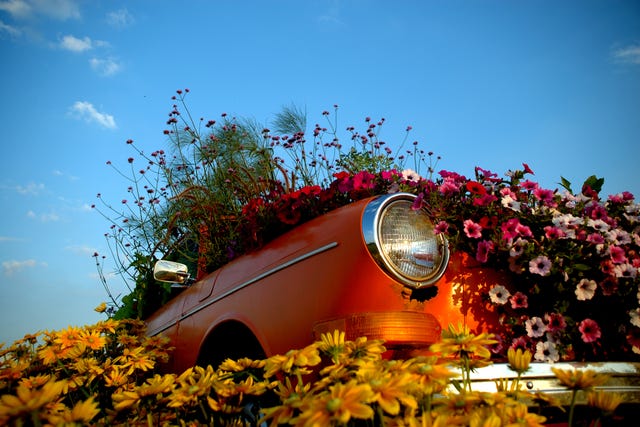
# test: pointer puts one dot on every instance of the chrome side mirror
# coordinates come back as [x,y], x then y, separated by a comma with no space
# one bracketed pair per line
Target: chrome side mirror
[171,272]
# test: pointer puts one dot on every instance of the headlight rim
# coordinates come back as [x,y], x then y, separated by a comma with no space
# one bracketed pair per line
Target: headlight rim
[371,227]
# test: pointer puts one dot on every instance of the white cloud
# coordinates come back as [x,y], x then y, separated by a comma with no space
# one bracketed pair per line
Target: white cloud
[81,250]
[9,30]
[75,44]
[105,67]
[16,8]
[9,239]
[120,18]
[32,189]
[14,266]
[627,55]
[86,111]
[44,217]
[57,9]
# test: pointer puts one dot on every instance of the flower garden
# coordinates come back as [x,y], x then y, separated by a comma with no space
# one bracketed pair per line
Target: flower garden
[227,188]
[108,374]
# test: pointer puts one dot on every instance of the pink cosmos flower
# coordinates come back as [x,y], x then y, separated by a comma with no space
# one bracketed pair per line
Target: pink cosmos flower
[519,300]
[499,295]
[586,289]
[540,265]
[484,248]
[472,229]
[590,330]
[535,327]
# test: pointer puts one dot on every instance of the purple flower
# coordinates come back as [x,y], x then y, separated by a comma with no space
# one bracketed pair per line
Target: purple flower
[540,265]
[535,327]
[484,248]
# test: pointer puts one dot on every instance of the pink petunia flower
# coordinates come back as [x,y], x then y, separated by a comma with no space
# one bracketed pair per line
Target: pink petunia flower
[555,322]
[617,254]
[590,330]
[519,300]
[442,227]
[586,289]
[484,248]
[472,229]
[540,265]
[535,327]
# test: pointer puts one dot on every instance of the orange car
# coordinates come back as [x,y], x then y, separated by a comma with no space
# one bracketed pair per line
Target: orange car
[373,268]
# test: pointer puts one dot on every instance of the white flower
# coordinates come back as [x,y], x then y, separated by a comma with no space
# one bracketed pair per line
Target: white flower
[618,237]
[625,270]
[546,352]
[411,175]
[499,295]
[586,289]
[509,202]
[635,317]
[535,327]
[598,224]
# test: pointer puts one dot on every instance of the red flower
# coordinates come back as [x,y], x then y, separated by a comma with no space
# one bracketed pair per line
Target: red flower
[590,330]
[476,188]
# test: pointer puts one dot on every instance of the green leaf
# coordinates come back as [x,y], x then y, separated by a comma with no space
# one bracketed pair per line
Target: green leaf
[566,184]
[595,183]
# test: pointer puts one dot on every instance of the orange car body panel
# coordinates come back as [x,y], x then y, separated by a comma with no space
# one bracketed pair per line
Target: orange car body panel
[316,277]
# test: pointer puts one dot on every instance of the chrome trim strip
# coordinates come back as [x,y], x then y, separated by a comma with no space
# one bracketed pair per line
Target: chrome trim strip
[247,283]
[260,277]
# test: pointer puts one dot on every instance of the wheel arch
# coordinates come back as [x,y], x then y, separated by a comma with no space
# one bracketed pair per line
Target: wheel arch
[231,339]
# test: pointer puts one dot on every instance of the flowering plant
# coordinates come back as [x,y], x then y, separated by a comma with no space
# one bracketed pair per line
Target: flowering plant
[108,374]
[573,257]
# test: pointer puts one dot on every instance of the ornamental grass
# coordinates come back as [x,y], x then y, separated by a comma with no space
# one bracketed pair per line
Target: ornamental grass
[110,374]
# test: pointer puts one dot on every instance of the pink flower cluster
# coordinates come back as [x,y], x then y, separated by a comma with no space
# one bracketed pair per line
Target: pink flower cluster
[575,260]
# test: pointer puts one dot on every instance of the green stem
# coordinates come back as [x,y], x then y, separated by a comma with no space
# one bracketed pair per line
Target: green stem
[571,408]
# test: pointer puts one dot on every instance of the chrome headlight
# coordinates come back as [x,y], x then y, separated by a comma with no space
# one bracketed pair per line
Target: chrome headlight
[402,240]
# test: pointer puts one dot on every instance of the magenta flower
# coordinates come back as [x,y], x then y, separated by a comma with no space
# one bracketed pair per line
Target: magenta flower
[545,196]
[555,322]
[484,248]
[590,330]
[540,265]
[519,300]
[617,254]
[442,227]
[472,229]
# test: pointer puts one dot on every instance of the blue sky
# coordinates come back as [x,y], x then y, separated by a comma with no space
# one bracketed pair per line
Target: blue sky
[483,83]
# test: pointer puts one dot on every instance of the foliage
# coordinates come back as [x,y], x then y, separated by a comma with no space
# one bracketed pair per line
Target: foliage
[107,374]
[188,203]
